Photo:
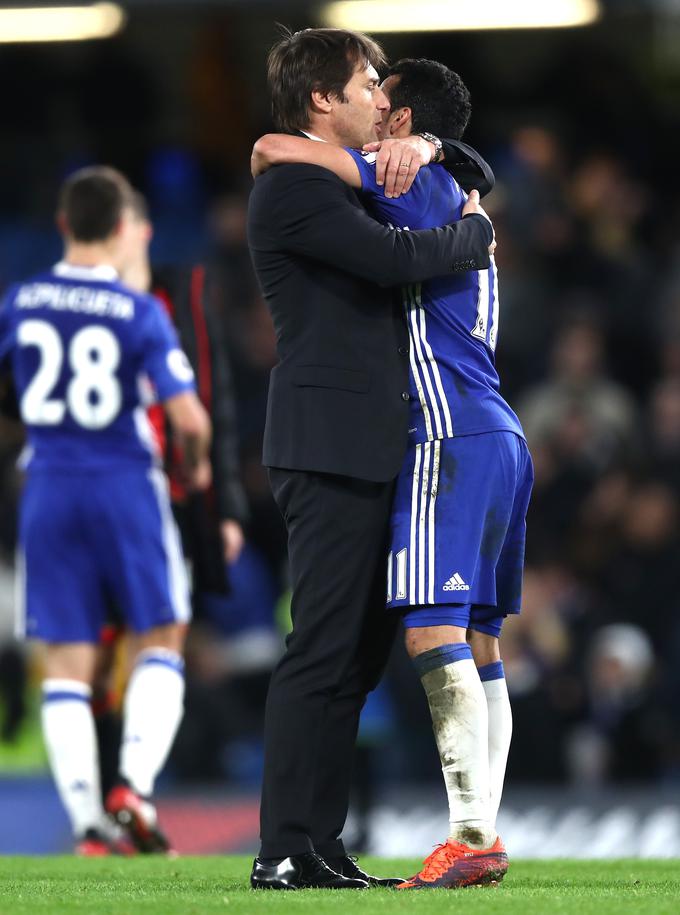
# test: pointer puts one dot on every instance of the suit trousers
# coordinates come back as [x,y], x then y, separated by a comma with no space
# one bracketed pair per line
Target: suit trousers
[336,653]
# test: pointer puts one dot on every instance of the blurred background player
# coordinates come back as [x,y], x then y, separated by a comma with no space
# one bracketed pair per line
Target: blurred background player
[458,522]
[96,526]
[210,521]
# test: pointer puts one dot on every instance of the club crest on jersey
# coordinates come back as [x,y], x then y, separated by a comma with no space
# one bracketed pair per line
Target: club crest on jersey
[456,583]
[179,365]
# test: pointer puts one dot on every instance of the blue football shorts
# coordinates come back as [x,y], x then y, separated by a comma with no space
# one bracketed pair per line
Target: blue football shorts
[458,531]
[92,540]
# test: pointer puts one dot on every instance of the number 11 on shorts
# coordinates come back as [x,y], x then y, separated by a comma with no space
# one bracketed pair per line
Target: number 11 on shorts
[401,575]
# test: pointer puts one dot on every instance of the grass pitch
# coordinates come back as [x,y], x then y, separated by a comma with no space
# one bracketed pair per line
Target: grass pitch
[199,886]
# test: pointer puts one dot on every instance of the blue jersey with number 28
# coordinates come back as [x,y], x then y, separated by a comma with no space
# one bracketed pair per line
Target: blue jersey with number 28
[452,320]
[88,356]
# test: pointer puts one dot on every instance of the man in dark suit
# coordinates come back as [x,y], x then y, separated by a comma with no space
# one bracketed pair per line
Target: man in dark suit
[335,435]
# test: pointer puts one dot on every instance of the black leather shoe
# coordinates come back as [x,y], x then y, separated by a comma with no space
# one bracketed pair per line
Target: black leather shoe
[348,867]
[301,872]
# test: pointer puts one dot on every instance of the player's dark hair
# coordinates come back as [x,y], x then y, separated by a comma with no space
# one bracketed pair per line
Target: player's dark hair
[321,60]
[438,98]
[91,202]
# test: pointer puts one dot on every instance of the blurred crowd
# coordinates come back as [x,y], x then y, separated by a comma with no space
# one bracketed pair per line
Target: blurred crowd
[589,356]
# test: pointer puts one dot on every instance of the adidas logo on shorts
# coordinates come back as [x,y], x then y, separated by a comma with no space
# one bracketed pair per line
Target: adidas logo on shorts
[456,583]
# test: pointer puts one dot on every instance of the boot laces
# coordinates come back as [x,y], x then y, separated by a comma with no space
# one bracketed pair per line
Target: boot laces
[437,863]
[320,865]
[352,869]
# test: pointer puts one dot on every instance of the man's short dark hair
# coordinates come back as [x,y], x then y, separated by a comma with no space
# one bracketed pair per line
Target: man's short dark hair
[91,202]
[320,60]
[438,98]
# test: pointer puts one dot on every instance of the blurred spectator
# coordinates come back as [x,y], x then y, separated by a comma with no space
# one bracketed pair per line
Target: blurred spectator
[639,581]
[533,176]
[663,432]
[536,648]
[621,735]
[581,412]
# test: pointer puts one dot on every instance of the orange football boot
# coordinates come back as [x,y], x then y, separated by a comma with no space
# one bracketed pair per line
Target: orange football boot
[96,845]
[453,865]
[138,818]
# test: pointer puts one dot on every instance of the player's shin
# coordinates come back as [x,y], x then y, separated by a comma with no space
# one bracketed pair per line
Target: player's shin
[69,733]
[459,718]
[500,729]
[153,709]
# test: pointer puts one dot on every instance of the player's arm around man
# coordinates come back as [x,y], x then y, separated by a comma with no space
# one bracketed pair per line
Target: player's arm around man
[398,160]
[282,149]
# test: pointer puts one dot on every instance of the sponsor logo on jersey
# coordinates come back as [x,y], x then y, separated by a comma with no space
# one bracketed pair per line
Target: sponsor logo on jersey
[456,583]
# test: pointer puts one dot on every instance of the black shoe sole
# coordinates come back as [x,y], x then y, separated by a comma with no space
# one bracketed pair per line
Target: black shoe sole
[271,886]
[287,887]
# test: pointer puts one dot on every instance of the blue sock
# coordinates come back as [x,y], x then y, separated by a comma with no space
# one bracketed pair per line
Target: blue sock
[441,656]
[493,671]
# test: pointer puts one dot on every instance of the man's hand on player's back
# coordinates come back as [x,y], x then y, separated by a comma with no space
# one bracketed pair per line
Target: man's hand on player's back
[473,205]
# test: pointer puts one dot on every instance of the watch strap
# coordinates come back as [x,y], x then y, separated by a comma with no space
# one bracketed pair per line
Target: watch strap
[436,142]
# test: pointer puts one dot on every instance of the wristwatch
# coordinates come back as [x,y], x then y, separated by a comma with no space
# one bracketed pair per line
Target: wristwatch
[436,142]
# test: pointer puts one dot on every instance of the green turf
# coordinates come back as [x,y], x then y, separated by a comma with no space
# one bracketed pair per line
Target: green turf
[194,886]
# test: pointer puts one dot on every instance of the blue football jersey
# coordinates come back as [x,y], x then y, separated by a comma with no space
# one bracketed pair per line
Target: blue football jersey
[88,356]
[452,320]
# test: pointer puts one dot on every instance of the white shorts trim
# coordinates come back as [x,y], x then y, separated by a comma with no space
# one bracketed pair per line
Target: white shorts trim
[178,582]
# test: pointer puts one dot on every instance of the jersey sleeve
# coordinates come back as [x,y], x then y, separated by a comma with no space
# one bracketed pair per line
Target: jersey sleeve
[400,212]
[164,361]
[366,165]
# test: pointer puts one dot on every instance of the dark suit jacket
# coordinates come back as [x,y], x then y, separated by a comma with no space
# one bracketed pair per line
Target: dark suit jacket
[467,167]
[338,399]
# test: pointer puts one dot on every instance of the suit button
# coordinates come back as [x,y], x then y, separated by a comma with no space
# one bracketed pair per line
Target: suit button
[403,350]
[405,395]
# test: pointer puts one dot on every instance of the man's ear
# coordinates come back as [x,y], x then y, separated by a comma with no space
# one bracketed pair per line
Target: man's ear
[321,101]
[60,220]
[399,119]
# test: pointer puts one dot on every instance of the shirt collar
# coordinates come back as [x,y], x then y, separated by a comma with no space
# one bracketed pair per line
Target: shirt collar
[104,272]
[312,137]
